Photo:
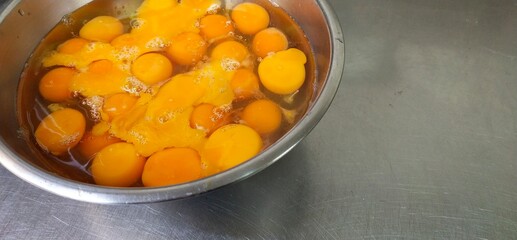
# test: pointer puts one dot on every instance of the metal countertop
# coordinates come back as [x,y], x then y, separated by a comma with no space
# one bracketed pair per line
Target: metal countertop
[419,143]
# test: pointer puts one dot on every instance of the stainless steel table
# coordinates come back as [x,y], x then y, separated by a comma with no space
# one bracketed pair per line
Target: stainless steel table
[420,143]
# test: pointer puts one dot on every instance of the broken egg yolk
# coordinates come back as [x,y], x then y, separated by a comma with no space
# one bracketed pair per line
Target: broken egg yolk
[118,104]
[170,109]
[101,78]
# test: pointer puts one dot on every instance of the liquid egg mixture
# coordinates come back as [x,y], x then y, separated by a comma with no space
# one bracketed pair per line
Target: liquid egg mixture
[177,92]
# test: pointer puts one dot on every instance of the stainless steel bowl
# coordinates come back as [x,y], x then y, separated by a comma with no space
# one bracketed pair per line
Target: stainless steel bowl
[23,23]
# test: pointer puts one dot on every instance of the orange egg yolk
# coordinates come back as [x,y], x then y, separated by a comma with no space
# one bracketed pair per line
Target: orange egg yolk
[117,165]
[102,28]
[118,104]
[72,46]
[269,40]
[101,78]
[60,131]
[215,26]
[152,68]
[230,50]
[172,166]
[262,115]
[283,72]
[208,117]
[250,18]
[229,146]
[91,144]
[55,85]
[245,83]
[187,48]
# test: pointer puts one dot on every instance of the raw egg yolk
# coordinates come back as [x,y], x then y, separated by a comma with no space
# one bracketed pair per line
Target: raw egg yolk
[101,67]
[91,144]
[245,83]
[168,18]
[208,117]
[102,29]
[156,5]
[262,115]
[204,5]
[269,40]
[229,146]
[72,46]
[93,51]
[124,40]
[55,85]
[187,48]
[152,68]
[230,50]
[117,165]
[215,26]
[250,18]
[284,71]
[118,104]
[101,78]
[60,131]
[171,166]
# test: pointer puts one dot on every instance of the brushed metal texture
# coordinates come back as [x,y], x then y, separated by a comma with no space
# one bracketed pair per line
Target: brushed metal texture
[419,143]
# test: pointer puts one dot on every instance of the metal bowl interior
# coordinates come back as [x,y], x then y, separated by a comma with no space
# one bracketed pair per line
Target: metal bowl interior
[24,23]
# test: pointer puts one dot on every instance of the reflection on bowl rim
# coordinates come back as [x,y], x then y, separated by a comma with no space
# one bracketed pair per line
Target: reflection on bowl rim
[100,194]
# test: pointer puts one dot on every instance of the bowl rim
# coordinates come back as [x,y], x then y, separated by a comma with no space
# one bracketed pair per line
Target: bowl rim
[111,195]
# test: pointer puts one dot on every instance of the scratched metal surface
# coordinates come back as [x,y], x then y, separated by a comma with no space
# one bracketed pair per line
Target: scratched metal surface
[420,143]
